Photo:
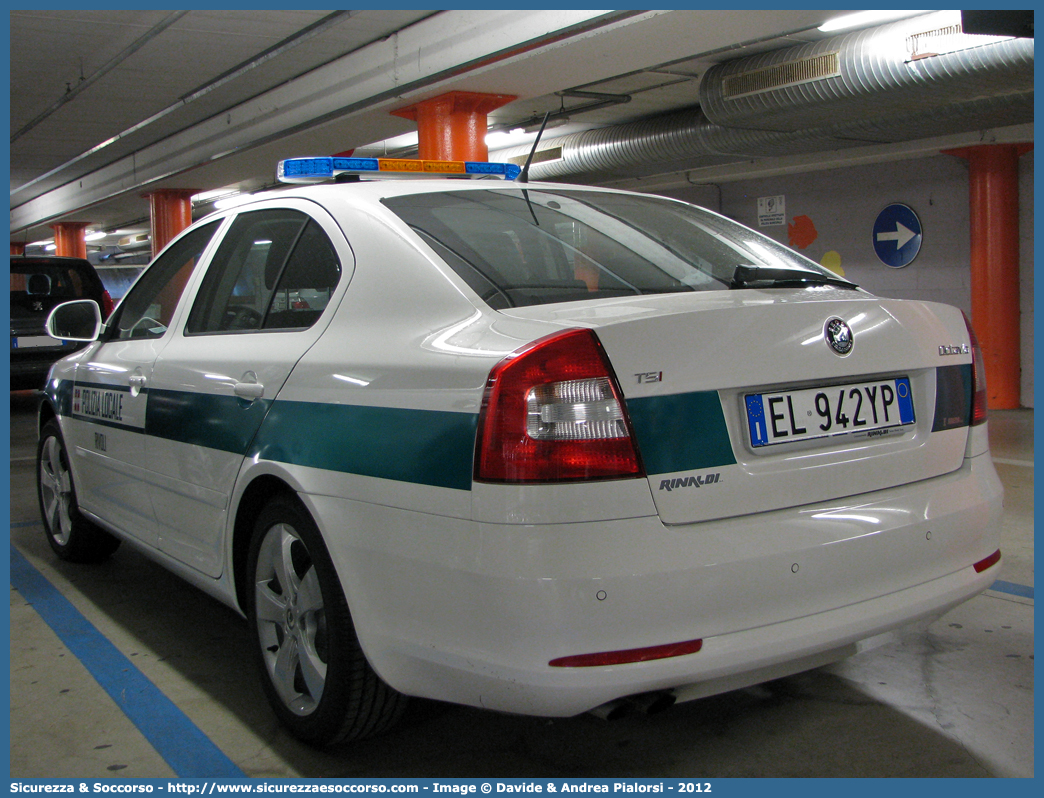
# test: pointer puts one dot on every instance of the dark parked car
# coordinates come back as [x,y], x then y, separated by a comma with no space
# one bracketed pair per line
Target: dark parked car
[38,284]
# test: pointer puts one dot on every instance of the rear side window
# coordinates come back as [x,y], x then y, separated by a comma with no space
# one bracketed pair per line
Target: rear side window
[518,247]
[38,280]
[275,270]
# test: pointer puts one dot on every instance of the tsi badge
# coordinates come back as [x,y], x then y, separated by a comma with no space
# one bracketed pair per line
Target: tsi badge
[839,335]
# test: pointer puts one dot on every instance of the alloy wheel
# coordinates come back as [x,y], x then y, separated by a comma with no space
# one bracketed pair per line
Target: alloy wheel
[291,619]
[56,490]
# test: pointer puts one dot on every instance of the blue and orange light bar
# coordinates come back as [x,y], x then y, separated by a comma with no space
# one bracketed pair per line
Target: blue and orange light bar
[318,170]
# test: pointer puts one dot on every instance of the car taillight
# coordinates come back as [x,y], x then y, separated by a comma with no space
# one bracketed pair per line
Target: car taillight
[107,305]
[987,563]
[979,412]
[628,656]
[553,412]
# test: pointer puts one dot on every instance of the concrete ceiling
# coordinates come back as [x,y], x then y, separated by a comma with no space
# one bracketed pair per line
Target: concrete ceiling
[106,105]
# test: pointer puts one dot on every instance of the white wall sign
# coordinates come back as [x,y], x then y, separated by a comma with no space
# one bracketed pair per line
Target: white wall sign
[772,211]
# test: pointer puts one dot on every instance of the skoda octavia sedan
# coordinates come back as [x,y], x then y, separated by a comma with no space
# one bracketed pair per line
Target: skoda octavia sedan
[530,447]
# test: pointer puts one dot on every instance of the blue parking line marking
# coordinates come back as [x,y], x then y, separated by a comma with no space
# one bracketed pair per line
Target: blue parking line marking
[188,751]
[1000,586]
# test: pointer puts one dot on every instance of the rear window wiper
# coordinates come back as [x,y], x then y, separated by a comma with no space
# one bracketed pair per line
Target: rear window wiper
[774,277]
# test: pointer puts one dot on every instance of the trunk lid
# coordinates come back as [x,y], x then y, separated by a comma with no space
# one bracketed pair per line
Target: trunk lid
[695,369]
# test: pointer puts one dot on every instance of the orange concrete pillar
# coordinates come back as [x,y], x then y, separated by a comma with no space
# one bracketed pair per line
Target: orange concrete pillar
[452,127]
[171,212]
[69,239]
[17,249]
[993,182]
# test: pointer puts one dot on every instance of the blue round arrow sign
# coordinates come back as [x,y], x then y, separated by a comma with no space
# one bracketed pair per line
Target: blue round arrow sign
[897,235]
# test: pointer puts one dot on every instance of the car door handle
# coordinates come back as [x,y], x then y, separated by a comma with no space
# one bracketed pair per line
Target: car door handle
[137,382]
[249,390]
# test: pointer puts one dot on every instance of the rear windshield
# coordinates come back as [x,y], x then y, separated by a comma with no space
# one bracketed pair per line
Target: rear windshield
[48,280]
[518,247]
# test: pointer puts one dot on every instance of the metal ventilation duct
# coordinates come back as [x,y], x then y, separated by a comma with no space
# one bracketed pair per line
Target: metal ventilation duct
[875,77]
[842,92]
[787,73]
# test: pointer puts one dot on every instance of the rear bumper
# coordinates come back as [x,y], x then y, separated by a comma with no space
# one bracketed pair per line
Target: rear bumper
[30,373]
[473,613]
[29,367]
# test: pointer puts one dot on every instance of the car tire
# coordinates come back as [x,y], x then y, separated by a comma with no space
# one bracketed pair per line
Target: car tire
[313,669]
[72,537]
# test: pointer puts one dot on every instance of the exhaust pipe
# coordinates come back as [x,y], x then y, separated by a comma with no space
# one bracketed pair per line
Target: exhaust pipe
[611,710]
[645,703]
[652,703]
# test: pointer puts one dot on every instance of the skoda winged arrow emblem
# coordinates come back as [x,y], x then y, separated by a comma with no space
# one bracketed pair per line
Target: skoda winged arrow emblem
[839,336]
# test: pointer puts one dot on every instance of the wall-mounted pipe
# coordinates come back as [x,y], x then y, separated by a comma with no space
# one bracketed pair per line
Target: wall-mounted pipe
[875,77]
[876,100]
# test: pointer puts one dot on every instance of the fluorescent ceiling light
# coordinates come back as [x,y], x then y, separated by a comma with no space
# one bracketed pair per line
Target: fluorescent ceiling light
[95,236]
[411,139]
[207,196]
[946,36]
[862,18]
[501,139]
[231,202]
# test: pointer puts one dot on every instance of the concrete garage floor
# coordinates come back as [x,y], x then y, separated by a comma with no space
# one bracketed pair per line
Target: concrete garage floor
[949,699]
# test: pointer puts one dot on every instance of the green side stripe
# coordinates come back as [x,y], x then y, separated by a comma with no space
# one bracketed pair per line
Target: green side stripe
[683,432]
[953,396]
[60,393]
[421,446]
[226,423]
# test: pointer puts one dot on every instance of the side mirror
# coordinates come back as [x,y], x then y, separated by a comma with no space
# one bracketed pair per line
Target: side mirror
[80,320]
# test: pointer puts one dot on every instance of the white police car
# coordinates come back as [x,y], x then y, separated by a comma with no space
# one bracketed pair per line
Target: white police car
[530,447]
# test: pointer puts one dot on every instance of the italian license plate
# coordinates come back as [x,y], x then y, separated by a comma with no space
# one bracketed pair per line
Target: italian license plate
[34,342]
[865,407]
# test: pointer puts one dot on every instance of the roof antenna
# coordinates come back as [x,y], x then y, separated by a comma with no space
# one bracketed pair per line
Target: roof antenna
[524,175]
